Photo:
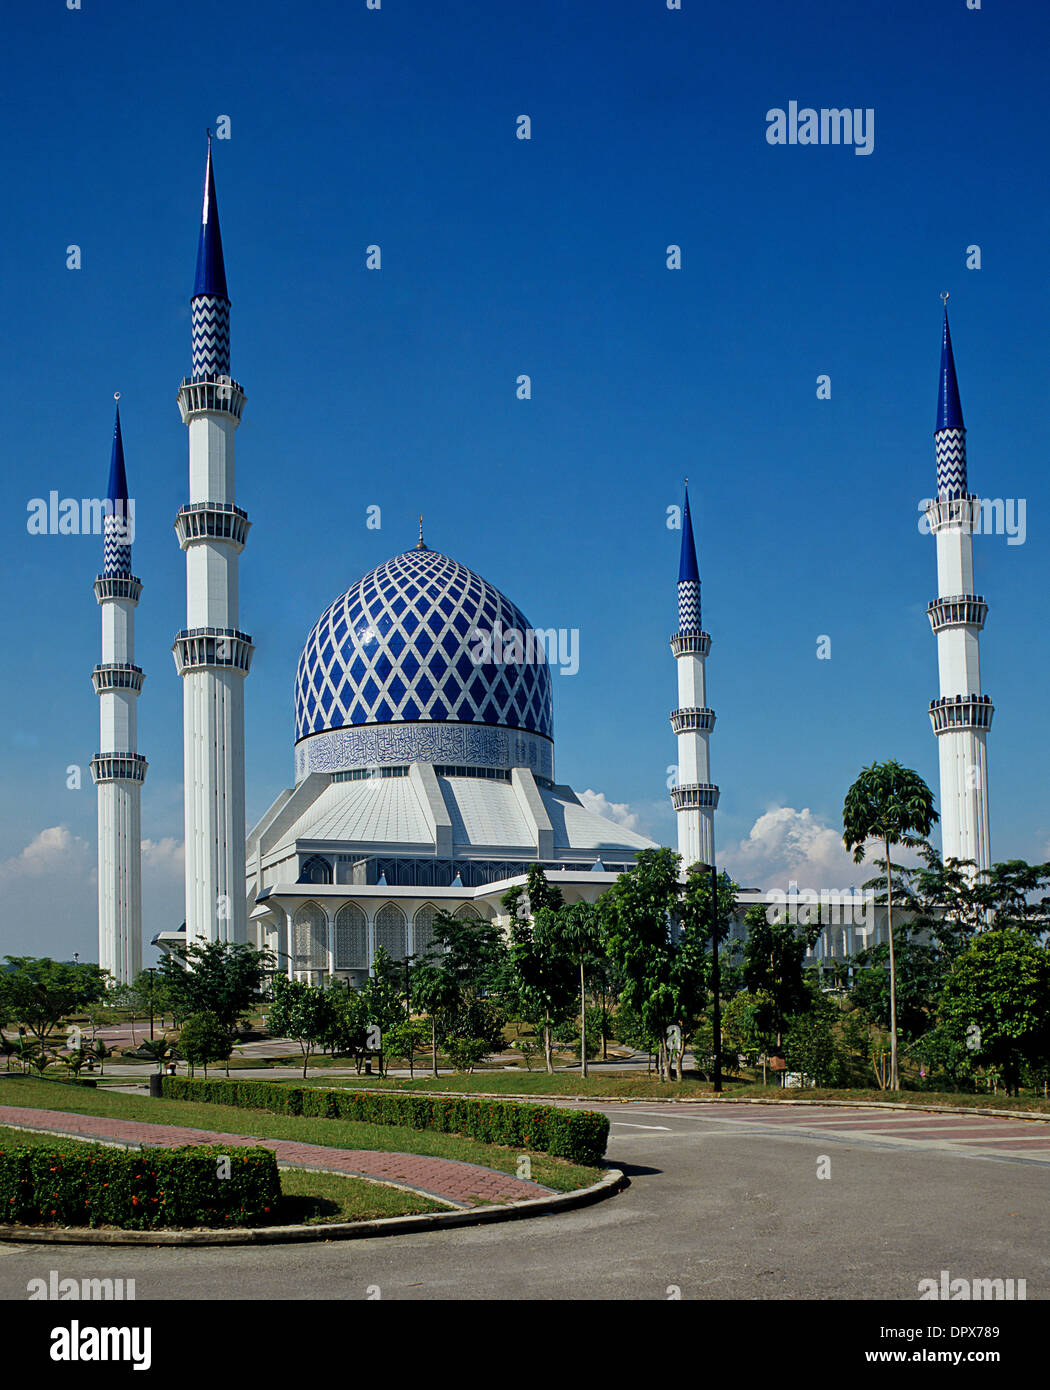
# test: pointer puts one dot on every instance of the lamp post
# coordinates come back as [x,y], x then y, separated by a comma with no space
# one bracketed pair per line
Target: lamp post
[151,971]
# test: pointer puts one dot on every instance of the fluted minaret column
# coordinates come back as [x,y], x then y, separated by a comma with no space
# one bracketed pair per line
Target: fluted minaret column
[212,655]
[962,716]
[695,797]
[118,770]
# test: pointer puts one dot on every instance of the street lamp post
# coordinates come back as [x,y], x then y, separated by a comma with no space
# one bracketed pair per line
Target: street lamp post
[151,971]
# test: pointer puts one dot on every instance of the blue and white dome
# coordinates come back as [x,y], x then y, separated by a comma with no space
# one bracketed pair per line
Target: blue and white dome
[390,674]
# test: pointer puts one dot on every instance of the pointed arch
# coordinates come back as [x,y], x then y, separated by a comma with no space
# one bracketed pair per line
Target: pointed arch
[467,913]
[423,931]
[391,929]
[317,869]
[310,937]
[351,938]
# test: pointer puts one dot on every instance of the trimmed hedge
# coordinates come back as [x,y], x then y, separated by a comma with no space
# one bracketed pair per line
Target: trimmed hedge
[579,1135]
[138,1189]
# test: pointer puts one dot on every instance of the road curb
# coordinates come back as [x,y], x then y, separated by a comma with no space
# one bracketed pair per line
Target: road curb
[613,1181]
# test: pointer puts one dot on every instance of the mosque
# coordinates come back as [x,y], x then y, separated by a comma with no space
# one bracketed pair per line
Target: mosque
[425,774]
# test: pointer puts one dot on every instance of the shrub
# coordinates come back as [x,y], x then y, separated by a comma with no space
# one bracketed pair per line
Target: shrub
[579,1135]
[138,1189]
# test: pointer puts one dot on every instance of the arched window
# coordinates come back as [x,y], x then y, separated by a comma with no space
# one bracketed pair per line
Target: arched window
[392,931]
[316,870]
[423,931]
[310,931]
[466,913]
[351,938]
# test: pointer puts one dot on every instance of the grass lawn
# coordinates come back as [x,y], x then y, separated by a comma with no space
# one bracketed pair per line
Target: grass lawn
[307,1197]
[556,1173]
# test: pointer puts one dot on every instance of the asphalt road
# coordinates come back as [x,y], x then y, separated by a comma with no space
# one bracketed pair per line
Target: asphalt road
[721,1205]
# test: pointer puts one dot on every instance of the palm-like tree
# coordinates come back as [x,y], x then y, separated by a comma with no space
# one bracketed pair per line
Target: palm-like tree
[890,803]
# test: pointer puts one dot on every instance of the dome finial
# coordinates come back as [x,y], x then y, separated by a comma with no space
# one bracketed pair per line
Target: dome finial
[421,543]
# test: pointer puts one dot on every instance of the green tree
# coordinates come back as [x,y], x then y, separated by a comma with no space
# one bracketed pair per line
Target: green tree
[746,1025]
[996,1002]
[220,977]
[920,973]
[384,998]
[539,976]
[150,994]
[159,1050]
[810,1048]
[698,934]
[773,969]
[300,1011]
[576,930]
[892,804]
[437,993]
[205,1038]
[659,955]
[40,992]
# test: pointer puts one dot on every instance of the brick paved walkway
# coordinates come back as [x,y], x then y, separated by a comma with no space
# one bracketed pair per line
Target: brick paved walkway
[459,1184]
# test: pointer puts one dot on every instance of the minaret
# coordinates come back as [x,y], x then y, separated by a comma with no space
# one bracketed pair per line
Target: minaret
[694,798]
[118,770]
[962,716]
[211,654]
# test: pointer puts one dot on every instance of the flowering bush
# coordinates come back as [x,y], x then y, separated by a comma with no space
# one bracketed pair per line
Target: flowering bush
[138,1189]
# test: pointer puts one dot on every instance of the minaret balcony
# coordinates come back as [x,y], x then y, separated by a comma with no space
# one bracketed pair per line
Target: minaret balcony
[212,521]
[214,395]
[691,644]
[698,796]
[117,675]
[954,712]
[118,767]
[962,512]
[692,721]
[113,586]
[212,648]
[957,610]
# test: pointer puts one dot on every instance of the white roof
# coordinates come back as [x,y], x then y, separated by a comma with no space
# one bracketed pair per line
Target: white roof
[485,812]
[385,811]
[486,815]
[579,829]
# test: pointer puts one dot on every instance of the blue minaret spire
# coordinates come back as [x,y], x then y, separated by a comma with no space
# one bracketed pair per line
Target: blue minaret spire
[694,796]
[950,434]
[118,769]
[117,526]
[210,303]
[688,576]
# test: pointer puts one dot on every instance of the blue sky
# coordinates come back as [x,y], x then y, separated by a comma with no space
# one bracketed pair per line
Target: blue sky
[501,256]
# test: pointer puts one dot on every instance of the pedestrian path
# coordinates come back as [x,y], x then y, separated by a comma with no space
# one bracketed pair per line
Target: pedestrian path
[448,1180]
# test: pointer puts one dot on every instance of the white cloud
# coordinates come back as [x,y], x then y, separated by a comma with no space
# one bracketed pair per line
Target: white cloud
[785,845]
[54,850]
[163,858]
[50,897]
[616,811]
